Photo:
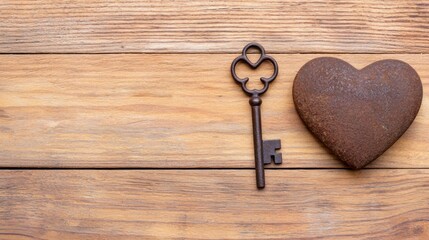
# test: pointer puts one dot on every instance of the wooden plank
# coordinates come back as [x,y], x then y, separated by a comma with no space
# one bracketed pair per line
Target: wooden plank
[174,111]
[207,204]
[292,26]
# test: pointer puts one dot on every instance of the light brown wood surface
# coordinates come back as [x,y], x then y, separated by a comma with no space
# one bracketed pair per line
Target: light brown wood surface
[167,110]
[207,204]
[171,121]
[292,26]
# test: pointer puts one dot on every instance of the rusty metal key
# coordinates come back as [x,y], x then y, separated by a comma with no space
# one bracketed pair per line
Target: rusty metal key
[264,151]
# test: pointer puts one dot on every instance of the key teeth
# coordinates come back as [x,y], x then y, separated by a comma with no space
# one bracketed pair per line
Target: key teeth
[270,154]
[278,158]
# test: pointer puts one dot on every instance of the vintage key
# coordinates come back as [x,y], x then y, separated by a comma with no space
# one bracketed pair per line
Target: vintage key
[265,151]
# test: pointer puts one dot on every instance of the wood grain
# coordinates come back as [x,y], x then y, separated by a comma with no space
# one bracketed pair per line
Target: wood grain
[206,204]
[292,26]
[165,111]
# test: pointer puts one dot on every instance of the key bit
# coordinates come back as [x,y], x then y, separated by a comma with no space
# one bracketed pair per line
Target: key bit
[264,151]
[270,154]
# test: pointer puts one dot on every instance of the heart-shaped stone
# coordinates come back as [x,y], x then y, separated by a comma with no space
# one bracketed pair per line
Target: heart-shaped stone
[357,114]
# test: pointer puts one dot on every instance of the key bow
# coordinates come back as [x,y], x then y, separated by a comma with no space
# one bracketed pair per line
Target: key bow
[243,58]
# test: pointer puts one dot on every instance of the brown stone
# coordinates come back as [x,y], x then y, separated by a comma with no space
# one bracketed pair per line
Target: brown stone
[357,114]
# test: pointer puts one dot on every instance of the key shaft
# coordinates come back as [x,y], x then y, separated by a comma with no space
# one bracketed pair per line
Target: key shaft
[255,101]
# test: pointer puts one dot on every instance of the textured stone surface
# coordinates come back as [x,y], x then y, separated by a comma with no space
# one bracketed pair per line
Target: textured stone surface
[357,114]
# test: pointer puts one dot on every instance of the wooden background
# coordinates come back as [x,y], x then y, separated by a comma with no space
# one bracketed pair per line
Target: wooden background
[121,121]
